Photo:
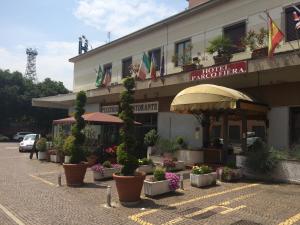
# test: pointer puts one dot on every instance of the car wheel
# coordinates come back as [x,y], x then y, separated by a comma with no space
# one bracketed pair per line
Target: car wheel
[20,139]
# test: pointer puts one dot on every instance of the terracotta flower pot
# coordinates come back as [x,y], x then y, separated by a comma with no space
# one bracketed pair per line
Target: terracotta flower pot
[75,173]
[129,187]
[259,53]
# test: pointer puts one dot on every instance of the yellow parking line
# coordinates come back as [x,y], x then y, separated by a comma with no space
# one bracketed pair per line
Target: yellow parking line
[291,220]
[233,209]
[136,217]
[41,179]
[12,216]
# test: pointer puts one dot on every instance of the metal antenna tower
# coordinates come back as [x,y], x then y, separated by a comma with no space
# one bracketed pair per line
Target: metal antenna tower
[31,63]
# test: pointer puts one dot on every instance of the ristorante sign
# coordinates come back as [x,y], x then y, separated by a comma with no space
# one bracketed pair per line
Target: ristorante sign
[145,107]
[220,71]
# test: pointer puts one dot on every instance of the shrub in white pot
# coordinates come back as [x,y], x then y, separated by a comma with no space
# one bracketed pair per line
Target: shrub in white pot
[150,140]
[202,176]
[41,146]
[105,170]
[67,148]
[54,157]
[146,166]
[228,174]
[173,164]
[162,182]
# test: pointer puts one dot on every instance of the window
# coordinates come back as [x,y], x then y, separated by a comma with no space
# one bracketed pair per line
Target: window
[126,63]
[216,131]
[295,125]
[259,131]
[157,56]
[183,52]
[291,33]
[107,68]
[234,133]
[236,33]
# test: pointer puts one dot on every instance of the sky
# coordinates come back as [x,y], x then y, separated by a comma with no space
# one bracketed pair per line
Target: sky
[53,28]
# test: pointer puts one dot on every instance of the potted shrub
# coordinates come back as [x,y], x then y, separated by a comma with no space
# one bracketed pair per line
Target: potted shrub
[111,154]
[53,156]
[172,164]
[230,172]
[161,183]
[185,59]
[145,165]
[76,169]
[56,154]
[41,146]
[129,182]
[168,147]
[202,176]
[221,46]
[67,148]
[105,170]
[257,42]
[150,140]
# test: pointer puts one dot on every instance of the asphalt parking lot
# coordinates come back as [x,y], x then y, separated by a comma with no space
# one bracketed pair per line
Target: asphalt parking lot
[29,195]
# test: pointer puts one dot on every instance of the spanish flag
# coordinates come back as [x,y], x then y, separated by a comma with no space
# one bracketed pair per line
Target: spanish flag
[275,36]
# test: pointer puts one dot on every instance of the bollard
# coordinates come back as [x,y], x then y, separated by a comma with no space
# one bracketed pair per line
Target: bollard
[181,182]
[59,179]
[108,196]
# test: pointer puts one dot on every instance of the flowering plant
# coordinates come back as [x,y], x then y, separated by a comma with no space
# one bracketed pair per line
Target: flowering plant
[201,170]
[173,180]
[100,168]
[111,150]
[168,163]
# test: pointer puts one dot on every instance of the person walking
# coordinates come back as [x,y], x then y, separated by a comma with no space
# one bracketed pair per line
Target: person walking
[34,150]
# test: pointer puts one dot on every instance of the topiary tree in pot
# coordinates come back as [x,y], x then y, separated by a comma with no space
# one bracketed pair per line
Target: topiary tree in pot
[221,46]
[76,169]
[129,183]
[150,139]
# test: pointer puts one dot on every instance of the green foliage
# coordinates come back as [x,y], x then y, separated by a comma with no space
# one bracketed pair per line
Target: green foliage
[3,138]
[69,145]
[181,142]
[151,138]
[145,161]
[16,93]
[107,164]
[159,174]
[126,149]
[256,40]
[261,158]
[58,141]
[185,58]
[77,153]
[221,45]
[231,164]
[201,170]
[41,145]
[166,145]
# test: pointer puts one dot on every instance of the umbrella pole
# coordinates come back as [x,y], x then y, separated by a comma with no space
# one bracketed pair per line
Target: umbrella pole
[225,136]
[244,131]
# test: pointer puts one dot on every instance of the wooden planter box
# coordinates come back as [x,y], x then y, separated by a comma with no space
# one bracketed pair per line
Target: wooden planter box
[156,188]
[203,180]
[42,155]
[107,173]
[146,169]
[54,158]
[235,175]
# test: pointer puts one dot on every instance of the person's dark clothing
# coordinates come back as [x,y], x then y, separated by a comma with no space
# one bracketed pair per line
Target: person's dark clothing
[34,150]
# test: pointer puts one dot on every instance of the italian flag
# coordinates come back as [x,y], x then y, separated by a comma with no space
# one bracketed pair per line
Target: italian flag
[275,36]
[153,68]
[144,67]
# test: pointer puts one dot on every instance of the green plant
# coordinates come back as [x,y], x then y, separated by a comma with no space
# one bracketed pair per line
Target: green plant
[181,142]
[201,170]
[3,138]
[145,161]
[159,174]
[256,40]
[231,164]
[261,158]
[77,153]
[106,164]
[220,45]
[69,145]
[169,146]
[58,140]
[41,145]
[185,58]
[126,150]
[151,138]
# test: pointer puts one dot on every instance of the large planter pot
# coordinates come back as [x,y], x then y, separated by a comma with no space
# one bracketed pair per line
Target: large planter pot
[67,159]
[259,53]
[42,155]
[147,169]
[150,151]
[240,161]
[153,188]
[129,187]
[190,156]
[202,180]
[179,165]
[223,59]
[106,173]
[54,158]
[234,175]
[75,173]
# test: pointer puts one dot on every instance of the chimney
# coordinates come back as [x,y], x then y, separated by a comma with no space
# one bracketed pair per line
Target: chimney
[193,3]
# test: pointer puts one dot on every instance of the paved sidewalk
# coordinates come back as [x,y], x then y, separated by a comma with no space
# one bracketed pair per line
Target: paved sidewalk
[29,196]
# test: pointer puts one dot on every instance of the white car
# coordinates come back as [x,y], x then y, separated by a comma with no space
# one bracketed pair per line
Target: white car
[20,135]
[27,143]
